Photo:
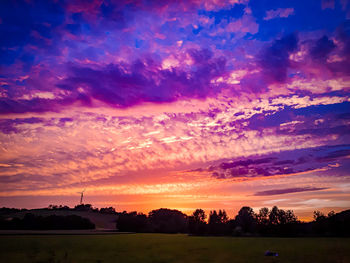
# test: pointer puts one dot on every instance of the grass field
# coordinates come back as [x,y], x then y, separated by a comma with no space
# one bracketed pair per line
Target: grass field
[169,248]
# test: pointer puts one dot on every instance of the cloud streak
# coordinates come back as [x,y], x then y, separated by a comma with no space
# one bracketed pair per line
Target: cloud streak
[279,13]
[288,191]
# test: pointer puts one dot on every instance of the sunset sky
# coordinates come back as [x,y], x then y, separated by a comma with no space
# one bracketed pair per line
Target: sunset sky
[179,104]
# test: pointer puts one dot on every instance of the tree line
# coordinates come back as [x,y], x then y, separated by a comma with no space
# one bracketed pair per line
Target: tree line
[51,222]
[266,222]
[83,207]
[80,207]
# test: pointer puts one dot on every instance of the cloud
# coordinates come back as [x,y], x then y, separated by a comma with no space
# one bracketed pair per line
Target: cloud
[289,191]
[247,162]
[274,60]
[322,48]
[290,162]
[8,125]
[144,81]
[335,155]
[124,85]
[39,104]
[246,24]
[279,13]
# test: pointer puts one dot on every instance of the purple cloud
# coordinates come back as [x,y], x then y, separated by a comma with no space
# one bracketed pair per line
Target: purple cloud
[125,85]
[274,60]
[335,155]
[246,163]
[322,48]
[285,163]
[9,125]
[289,191]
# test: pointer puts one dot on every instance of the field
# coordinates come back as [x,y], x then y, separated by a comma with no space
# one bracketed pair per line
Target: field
[169,248]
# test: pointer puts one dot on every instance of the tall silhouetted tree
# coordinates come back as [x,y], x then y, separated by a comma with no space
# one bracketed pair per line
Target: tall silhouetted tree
[273,216]
[196,222]
[213,218]
[290,217]
[263,216]
[262,220]
[246,219]
[199,215]
[218,222]
[222,217]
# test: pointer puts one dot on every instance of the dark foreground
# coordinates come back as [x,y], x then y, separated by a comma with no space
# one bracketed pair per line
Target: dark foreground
[169,248]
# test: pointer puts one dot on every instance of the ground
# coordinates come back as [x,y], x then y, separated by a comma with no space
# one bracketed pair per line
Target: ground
[169,248]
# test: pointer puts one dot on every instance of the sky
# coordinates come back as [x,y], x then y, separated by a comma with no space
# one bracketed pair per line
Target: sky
[178,104]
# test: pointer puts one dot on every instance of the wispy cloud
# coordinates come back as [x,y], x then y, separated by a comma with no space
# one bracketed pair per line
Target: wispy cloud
[288,191]
[279,13]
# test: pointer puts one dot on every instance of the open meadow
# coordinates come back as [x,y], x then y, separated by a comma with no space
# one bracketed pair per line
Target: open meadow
[169,248]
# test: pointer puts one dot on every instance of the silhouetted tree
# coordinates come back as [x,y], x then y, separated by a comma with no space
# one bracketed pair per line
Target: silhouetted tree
[246,219]
[262,220]
[33,222]
[222,217]
[132,222]
[213,218]
[83,207]
[290,217]
[331,225]
[263,216]
[108,210]
[217,223]
[199,215]
[273,216]
[165,220]
[213,223]
[196,222]
[280,223]
[331,213]
[318,216]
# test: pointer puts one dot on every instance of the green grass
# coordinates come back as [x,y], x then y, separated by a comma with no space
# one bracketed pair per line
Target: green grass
[169,248]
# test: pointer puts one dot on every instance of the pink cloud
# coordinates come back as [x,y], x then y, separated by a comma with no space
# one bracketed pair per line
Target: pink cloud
[246,24]
[279,13]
